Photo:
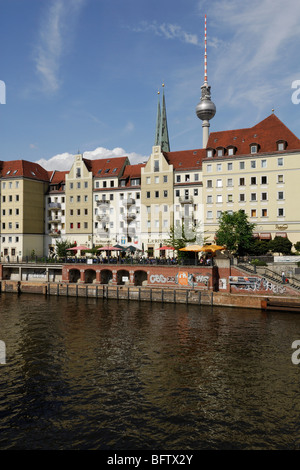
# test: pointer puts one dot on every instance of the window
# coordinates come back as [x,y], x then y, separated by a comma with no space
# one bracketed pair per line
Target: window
[196,192]
[165,193]
[209,153]
[71,199]
[85,225]
[264,180]
[264,212]
[229,166]
[230,182]
[112,184]
[156,194]
[219,167]
[165,178]
[219,214]
[86,184]
[264,163]
[209,215]
[187,178]
[280,179]
[220,152]
[209,184]
[148,209]
[71,225]
[280,212]
[78,224]
[253,212]
[219,184]
[71,185]
[209,199]
[253,197]
[253,149]
[148,180]
[78,198]
[264,196]
[280,195]
[196,177]
[178,178]
[148,194]
[253,180]
[230,151]
[242,165]
[219,198]
[253,164]
[209,168]
[78,185]
[230,198]
[242,197]
[156,180]
[156,165]
[242,182]
[280,161]
[104,184]
[280,145]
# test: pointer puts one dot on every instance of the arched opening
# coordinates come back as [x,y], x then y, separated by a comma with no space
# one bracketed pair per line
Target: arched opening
[105,276]
[74,275]
[90,276]
[140,277]
[122,277]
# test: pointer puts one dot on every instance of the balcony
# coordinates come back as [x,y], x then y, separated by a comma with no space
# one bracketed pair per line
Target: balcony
[102,218]
[103,202]
[128,202]
[54,233]
[54,205]
[54,220]
[186,200]
[129,217]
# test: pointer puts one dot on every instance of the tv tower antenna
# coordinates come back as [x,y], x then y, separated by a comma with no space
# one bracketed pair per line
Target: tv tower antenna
[205,109]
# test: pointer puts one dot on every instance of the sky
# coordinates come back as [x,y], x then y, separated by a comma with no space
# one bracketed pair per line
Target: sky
[84,75]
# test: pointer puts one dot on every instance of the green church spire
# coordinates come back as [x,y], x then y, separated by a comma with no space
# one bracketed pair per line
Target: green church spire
[161,133]
[164,136]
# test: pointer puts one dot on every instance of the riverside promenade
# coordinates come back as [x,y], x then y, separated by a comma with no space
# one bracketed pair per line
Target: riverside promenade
[220,283]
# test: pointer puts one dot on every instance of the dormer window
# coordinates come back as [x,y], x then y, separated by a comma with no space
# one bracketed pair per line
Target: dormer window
[209,153]
[254,148]
[220,152]
[231,150]
[281,144]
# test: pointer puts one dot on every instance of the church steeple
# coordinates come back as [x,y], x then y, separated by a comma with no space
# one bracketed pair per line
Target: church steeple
[157,132]
[162,134]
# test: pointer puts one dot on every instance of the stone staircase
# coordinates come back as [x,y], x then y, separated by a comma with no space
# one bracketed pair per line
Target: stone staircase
[263,271]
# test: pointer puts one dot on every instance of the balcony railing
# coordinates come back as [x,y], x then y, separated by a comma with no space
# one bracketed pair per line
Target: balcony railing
[54,205]
[186,200]
[128,202]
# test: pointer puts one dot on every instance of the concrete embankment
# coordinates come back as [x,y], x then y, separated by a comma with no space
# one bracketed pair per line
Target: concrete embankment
[148,294]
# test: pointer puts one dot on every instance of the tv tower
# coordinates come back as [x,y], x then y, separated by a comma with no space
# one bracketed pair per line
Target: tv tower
[205,109]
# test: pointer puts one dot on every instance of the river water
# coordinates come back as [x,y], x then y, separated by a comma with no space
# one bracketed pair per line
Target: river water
[94,374]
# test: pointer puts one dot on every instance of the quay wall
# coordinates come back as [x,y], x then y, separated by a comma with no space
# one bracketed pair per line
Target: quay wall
[177,295]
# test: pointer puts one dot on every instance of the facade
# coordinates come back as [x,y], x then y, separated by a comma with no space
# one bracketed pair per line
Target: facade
[110,201]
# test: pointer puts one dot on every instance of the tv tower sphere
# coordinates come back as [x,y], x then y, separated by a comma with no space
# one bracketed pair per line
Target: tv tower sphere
[205,109]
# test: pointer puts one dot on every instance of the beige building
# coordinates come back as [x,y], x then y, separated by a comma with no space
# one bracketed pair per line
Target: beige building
[256,170]
[23,188]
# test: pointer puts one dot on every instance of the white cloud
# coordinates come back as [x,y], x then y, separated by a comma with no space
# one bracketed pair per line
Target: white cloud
[64,161]
[53,40]
[169,31]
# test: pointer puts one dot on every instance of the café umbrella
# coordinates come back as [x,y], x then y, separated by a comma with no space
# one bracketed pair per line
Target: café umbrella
[78,248]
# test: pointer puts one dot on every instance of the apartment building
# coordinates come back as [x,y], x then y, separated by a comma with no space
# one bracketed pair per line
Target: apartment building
[256,170]
[110,201]
[22,217]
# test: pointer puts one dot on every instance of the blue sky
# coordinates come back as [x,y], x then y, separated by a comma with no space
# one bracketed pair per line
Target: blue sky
[83,75]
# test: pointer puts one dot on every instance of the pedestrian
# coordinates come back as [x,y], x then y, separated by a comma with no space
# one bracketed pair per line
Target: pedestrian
[283,277]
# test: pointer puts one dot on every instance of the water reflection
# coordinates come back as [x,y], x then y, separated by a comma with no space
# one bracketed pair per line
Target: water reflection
[97,374]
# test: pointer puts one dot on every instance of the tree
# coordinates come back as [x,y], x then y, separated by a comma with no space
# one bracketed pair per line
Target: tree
[183,235]
[280,245]
[61,248]
[297,246]
[236,232]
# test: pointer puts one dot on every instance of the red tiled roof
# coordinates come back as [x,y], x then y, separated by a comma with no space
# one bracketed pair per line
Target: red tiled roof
[17,168]
[133,171]
[57,177]
[266,134]
[186,159]
[108,166]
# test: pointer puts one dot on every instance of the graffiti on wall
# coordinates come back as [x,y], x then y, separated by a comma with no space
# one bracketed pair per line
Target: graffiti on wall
[254,284]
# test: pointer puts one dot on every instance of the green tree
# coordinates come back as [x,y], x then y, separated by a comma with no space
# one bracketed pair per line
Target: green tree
[183,235]
[61,247]
[297,246]
[280,245]
[236,232]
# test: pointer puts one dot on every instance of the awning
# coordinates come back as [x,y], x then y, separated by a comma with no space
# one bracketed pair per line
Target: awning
[265,236]
[255,235]
[281,234]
